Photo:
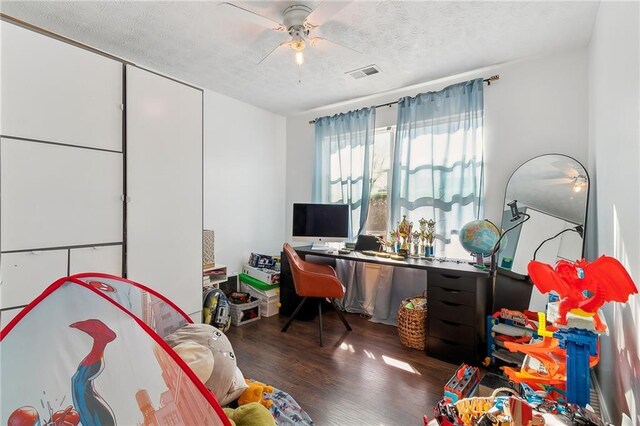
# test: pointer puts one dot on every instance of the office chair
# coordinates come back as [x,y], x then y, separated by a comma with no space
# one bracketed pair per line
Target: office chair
[317,281]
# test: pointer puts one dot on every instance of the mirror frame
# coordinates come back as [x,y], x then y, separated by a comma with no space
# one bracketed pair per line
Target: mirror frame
[517,275]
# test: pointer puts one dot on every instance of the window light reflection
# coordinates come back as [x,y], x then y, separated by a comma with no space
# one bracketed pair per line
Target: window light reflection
[399,364]
[369,354]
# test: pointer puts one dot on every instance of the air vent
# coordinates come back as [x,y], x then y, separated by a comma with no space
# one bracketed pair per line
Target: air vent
[364,72]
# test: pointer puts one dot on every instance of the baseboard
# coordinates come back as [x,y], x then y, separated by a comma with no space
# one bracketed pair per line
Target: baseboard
[601,408]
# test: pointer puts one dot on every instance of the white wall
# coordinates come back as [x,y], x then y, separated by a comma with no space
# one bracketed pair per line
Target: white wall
[244,179]
[614,110]
[538,106]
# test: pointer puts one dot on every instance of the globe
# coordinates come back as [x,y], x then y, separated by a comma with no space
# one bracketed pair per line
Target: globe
[479,237]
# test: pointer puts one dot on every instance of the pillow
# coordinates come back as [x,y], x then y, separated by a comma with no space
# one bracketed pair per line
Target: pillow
[238,386]
[198,357]
[196,344]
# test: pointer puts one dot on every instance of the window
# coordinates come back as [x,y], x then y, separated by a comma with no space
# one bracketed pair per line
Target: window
[378,217]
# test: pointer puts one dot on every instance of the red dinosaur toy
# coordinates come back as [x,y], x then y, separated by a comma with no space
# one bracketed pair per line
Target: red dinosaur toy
[584,286]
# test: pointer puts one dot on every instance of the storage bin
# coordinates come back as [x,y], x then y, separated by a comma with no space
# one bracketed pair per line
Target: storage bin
[412,322]
[269,295]
[244,313]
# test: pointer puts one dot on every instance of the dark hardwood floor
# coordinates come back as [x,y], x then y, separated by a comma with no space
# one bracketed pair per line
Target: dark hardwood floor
[362,377]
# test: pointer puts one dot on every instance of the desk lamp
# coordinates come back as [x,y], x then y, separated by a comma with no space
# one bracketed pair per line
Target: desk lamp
[515,215]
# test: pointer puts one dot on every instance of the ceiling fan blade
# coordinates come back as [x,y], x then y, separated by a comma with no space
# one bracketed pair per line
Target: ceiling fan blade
[274,49]
[313,41]
[567,168]
[557,181]
[254,17]
[323,12]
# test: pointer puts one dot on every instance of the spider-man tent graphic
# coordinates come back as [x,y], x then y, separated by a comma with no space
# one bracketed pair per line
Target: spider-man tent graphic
[89,351]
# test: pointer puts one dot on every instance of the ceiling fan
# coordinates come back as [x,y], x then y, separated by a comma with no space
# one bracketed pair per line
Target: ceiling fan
[298,21]
[570,175]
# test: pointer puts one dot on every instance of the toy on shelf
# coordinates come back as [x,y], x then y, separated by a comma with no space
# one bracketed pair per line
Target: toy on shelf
[463,384]
[562,356]
[507,326]
[583,286]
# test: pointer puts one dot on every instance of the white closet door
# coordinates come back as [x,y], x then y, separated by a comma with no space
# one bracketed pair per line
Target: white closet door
[58,196]
[57,92]
[7,316]
[25,275]
[164,183]
[105,259]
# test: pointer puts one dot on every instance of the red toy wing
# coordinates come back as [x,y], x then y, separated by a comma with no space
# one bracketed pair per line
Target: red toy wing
[546,279]
[611,279]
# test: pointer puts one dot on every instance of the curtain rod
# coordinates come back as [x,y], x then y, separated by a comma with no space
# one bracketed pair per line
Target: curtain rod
[487,80]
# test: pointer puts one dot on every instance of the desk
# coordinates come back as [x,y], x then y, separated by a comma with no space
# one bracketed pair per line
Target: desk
[458,299]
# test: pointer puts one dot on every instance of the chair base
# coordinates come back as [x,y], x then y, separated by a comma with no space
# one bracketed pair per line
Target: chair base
[335,306]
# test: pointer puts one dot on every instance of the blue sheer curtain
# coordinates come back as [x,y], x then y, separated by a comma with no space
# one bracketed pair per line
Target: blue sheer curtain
[342,173]
[437,160]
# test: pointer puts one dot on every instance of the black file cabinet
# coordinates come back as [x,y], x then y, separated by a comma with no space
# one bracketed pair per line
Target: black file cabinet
[457,306]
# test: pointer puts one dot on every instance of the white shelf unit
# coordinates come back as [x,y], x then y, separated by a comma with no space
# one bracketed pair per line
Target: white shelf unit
[216,275]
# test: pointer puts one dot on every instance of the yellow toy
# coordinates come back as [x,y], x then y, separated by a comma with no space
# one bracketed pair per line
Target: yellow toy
[252,414]
[255,393]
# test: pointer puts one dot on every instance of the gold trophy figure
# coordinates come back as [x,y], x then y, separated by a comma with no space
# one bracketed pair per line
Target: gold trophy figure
[415,243]
[430,237]
[404,231]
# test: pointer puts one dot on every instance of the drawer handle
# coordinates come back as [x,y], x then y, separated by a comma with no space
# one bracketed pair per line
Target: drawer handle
[451,277]
[448,342]
[450,290]
[451,323]
[450,303]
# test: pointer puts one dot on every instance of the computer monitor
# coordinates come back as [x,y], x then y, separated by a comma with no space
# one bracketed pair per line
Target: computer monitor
[320,223]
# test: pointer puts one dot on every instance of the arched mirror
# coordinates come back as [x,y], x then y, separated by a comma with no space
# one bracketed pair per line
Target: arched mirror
[553,190]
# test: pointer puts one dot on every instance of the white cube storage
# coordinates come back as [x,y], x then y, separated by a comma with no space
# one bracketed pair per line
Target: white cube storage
[244,313]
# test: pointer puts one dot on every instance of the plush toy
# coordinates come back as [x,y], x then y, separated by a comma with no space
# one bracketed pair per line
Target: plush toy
[209,354]
[251,414]
[255,394]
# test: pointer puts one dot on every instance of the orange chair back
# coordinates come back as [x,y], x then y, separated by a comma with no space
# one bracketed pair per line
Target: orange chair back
[313,279]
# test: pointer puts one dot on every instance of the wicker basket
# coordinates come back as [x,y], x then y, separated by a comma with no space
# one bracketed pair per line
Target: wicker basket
[412,324]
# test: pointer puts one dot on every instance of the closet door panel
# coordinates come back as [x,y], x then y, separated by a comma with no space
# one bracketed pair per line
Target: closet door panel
[56,196]
[164,185]
[57,92]
[105,259]
[7,316]
[25,275]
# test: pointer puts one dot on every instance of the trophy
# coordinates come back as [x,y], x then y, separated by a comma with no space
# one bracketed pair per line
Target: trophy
[430,237]
[415,243]
[404,231]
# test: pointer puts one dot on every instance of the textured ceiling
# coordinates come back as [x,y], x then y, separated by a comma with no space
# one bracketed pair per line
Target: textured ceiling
[212,46]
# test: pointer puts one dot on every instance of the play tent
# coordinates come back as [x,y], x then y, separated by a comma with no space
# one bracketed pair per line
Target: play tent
[89,350]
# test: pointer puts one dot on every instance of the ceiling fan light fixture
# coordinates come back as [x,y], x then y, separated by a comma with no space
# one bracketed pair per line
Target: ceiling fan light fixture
[579,182]
[297,43]
[299,57]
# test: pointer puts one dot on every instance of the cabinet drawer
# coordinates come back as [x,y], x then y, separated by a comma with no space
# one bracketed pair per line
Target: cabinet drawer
[451,351]
[452,281]
[445,329]
[452,295]
[451,311]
